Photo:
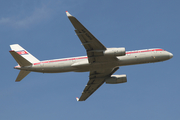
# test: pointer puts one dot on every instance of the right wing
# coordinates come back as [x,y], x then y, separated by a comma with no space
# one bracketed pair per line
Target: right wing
[96,79]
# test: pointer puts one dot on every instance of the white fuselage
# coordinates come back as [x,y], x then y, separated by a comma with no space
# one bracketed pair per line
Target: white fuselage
[81,64]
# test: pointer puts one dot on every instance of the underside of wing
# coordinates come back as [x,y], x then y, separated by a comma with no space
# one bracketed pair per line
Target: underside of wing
[93,46]
[96,79]
[96,56]
[87,39]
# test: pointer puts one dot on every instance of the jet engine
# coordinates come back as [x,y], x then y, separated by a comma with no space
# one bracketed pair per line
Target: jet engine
[115,52]
[115,79]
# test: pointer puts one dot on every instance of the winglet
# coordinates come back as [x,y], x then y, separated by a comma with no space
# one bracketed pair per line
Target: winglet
[68,14]
[77,98]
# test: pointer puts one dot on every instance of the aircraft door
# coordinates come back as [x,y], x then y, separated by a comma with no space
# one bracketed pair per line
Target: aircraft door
[42,66]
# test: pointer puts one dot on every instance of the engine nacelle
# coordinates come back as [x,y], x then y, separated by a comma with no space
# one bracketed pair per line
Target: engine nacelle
[115,79]
[115,52]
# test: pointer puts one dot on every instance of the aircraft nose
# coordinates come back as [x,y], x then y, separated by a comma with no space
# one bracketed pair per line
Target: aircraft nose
[170,55]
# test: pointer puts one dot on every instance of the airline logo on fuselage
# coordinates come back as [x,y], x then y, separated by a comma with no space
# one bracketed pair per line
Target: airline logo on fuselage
[23,52]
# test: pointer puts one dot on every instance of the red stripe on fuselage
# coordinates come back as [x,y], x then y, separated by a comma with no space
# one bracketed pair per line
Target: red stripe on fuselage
[60,60]
[141,51]
[128,52]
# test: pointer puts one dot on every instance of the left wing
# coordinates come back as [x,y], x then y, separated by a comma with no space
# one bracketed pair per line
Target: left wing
[93,47]
[87,39]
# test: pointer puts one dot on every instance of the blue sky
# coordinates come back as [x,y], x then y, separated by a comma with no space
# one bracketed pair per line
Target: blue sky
[42,28]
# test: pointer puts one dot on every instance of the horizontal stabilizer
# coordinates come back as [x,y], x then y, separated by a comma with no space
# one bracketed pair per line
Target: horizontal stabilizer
[21,75]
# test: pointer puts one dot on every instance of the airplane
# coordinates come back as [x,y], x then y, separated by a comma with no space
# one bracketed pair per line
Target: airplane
[100,62]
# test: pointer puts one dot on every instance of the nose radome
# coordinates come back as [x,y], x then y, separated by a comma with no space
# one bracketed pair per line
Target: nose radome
[170,55]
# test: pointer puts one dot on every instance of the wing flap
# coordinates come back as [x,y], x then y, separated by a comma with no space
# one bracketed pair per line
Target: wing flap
[88,40]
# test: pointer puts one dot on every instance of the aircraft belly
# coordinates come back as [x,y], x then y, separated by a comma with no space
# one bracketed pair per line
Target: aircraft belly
[94,66]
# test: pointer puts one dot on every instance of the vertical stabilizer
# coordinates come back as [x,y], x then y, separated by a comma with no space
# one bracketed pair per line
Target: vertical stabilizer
[24,53]
[21,75]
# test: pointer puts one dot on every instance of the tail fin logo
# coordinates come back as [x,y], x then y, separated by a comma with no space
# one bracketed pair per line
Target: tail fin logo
[23,52]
